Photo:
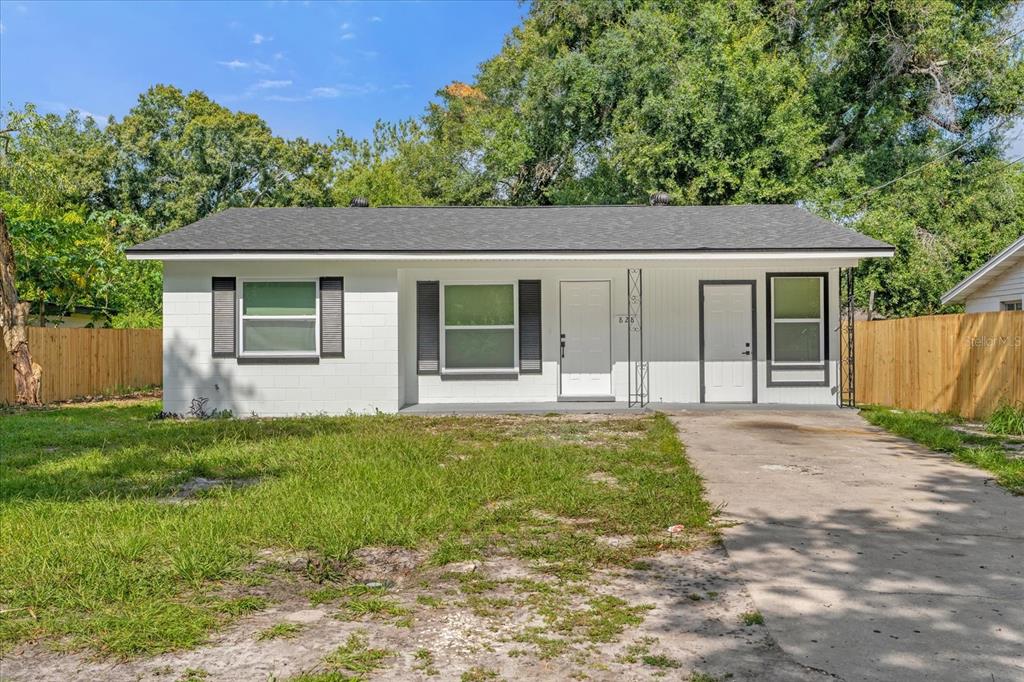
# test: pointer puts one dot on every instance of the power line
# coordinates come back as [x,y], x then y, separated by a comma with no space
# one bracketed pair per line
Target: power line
[920,168]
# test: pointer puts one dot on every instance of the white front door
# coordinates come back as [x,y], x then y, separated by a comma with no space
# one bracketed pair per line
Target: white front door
[586,340]
[728,343]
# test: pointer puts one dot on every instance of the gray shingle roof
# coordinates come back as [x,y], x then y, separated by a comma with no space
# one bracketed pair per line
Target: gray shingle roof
[496,229]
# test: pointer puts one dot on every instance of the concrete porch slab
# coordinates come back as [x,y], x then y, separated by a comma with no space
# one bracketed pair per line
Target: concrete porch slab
[597,408]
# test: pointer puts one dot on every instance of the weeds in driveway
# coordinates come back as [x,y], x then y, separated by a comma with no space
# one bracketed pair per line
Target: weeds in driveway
[934,432]
[97,550]
[752,618]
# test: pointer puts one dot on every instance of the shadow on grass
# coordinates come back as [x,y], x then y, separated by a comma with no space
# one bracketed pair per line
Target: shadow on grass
[76,453]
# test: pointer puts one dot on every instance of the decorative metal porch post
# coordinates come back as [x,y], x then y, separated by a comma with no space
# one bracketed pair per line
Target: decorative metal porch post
[636,370]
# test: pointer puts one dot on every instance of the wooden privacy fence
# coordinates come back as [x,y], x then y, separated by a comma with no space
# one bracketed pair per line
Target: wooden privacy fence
[80,362]
[967,364]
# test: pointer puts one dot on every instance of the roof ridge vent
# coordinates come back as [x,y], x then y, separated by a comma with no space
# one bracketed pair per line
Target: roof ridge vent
[359,202]
[661,199]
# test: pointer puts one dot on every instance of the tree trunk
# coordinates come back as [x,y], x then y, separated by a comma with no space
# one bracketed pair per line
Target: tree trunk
[13,325]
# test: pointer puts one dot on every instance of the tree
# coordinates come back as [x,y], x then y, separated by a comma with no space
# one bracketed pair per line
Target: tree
[13,323]
[825,103]
[389,168]
[182,156]
[61,162]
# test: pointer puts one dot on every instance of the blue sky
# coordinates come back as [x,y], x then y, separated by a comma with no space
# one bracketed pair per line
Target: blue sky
[308,68]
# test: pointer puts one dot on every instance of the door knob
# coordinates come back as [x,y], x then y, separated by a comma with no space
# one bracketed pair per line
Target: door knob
[746,352]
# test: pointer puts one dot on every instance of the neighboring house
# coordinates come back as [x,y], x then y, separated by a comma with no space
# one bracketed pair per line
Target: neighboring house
[996,285]
[309,310]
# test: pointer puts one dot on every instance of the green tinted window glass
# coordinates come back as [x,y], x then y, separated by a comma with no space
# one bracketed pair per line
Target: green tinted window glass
[479,348]
[797,297]
[797,342]
[279,335]
[279,298]
[478,304]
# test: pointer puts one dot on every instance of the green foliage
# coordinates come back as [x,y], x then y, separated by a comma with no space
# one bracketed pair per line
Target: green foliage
[182,156]
[137,319]
[1008,419]
[888,117]
[605,102]
[76,258]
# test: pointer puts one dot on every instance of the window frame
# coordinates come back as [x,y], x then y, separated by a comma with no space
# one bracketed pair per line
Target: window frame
[822,320]
[242,317]
[444,369]
[1016,303]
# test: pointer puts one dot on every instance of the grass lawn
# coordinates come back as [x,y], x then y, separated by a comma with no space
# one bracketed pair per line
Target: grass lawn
[933,431]
[99,550]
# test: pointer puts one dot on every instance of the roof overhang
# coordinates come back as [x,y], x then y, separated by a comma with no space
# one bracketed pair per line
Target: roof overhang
[780,254]
[986,273]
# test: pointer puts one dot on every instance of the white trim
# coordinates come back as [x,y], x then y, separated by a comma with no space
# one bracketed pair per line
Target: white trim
[958,293]
[513,256]
[820,320]
[242,317]
[514,368]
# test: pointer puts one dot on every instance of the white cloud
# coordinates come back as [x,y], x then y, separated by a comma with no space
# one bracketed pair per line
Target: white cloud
[2,28]
[369,54]
[348,36]
[259,38]
[329,92]
[279,56]
[374,19]
[238,64]
[346,25]
[269,85]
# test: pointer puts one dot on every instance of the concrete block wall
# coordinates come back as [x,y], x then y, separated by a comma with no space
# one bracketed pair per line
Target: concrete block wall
[364,381]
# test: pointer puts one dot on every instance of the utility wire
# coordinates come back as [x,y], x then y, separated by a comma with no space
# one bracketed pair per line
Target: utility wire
[966,143]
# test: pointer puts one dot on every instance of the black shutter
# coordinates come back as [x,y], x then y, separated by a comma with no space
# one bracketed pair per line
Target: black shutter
[428,328]
[332,317]
[529,327]
[224,317]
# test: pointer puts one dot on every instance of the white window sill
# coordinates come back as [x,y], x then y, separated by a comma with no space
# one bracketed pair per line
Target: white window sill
[298,358]
[508,371]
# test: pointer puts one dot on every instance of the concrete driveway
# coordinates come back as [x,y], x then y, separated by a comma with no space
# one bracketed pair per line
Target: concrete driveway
[870,557]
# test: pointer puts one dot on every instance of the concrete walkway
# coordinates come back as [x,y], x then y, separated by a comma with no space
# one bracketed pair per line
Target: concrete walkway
[870,557]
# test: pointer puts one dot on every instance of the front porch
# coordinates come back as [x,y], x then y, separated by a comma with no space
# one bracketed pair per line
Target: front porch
[618,407]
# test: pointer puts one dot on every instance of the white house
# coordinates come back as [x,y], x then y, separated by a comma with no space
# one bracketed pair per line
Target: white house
[310,310]
[996,285]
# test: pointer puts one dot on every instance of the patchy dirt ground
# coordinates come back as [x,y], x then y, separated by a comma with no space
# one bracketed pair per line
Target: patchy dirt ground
[675,615]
